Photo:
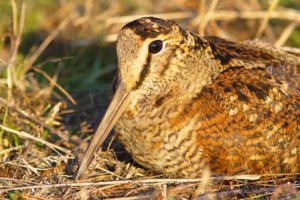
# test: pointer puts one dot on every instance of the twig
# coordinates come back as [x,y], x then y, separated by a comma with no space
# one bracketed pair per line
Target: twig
[29,136]
[207,17]
[125,19]
[87,16]
[109,172]
[266,18]
[72,100]
[30,167]
[14,15]
[286,34]
[286,14]
[16,40]
[203,184]
[15,180]
[5,151]
[164,191]
[139,197]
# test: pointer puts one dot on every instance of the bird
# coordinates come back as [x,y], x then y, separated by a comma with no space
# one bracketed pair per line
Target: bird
[184,103]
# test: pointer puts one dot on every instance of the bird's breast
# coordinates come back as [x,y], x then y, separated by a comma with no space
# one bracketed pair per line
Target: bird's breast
[162,137]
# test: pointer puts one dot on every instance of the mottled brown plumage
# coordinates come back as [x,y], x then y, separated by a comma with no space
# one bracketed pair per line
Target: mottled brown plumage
[185,102]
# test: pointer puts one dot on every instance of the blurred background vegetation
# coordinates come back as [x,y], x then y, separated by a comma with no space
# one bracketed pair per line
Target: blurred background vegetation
[82,52]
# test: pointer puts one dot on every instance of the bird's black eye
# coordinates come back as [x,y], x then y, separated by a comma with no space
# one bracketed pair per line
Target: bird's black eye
[155,46]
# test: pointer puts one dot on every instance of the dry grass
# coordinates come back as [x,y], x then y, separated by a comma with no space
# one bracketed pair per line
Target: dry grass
[37,146]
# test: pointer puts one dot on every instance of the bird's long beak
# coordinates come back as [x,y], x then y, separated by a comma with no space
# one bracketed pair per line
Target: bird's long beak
[113,113]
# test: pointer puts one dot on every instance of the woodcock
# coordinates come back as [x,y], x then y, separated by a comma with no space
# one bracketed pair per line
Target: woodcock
[185,102]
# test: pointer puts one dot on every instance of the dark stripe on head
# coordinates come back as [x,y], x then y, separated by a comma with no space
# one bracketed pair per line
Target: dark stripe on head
[150,27]
[144,72]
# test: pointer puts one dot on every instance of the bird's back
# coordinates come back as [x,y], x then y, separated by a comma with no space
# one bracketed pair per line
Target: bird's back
[252,123]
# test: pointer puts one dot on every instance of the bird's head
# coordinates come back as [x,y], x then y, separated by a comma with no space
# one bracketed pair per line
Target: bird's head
[156,54]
